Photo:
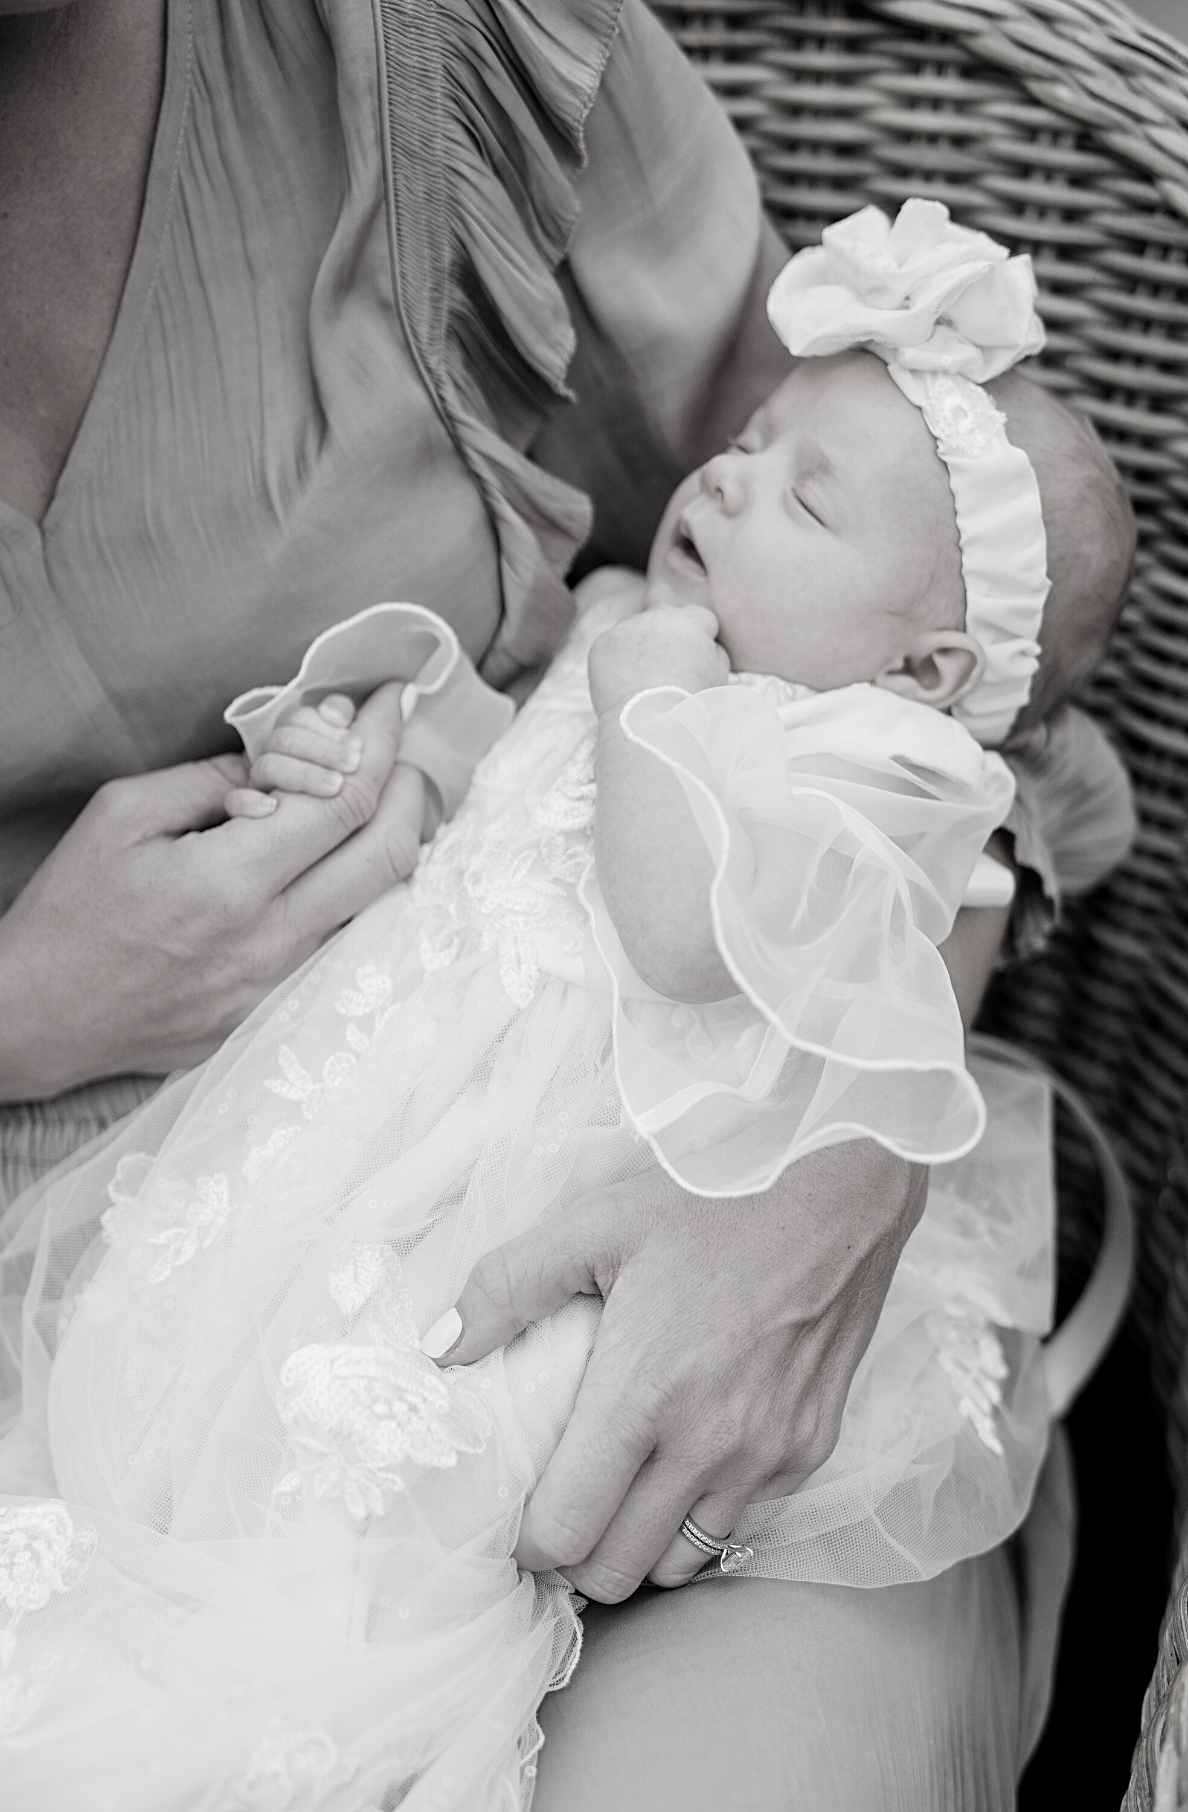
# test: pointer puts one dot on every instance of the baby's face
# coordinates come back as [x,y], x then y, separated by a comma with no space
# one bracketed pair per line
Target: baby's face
[825,537]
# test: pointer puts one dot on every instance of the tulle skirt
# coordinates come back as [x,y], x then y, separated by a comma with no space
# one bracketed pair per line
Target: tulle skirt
[254,1547]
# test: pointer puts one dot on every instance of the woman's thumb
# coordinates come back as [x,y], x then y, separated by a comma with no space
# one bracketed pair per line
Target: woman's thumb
[520,1282]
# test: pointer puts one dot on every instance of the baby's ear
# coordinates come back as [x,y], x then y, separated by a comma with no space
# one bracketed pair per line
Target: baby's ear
[939,668]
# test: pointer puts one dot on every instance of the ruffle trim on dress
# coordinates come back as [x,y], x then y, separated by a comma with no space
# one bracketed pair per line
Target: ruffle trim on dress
[844,1025]
[484,104]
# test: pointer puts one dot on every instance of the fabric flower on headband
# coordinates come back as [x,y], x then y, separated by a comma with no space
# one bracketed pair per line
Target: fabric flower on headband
[922,293]
[947,309]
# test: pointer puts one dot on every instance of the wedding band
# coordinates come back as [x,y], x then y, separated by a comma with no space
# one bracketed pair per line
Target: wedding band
[729,1554]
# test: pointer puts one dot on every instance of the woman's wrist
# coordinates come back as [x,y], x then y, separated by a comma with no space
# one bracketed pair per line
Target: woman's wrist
[30,1069]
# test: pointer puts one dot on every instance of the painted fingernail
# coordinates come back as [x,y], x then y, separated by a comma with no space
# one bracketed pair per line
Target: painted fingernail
[334,713]
[443,1336]
[352,755]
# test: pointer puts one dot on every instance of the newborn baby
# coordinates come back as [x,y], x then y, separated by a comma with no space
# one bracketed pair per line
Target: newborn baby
[826,545]
[823,548]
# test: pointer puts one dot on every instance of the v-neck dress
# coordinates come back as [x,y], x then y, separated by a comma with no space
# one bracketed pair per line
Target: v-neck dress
[339,332]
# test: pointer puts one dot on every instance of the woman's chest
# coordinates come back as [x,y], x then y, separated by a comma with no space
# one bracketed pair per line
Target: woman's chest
[258,457]
[80,92]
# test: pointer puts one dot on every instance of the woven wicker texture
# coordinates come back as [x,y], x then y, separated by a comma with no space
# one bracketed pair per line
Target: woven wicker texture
[1060,126]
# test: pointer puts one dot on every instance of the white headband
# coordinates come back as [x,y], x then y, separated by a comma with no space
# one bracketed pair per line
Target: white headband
[947,309]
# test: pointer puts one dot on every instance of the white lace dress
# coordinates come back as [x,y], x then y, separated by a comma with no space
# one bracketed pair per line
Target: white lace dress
[254,1547]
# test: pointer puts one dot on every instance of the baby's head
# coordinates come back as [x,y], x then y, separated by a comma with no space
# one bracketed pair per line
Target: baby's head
[825,539]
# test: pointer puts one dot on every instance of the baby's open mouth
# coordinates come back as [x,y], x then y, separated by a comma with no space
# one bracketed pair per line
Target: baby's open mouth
[684,546]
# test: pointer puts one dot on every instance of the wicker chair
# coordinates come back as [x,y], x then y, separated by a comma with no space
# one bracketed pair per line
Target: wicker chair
[1060,126]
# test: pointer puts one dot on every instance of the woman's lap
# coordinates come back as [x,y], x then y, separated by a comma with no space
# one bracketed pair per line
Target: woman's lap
[765,1695]
[771,1696]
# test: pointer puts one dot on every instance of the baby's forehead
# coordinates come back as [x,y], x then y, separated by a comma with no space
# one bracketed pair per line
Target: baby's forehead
[846,413]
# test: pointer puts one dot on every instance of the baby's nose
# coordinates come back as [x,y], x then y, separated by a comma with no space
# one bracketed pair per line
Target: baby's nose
[722,479]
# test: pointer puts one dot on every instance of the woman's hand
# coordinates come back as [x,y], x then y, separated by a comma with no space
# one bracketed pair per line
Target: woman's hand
[156,925]
[312,752]
[730,1333]
[671,645]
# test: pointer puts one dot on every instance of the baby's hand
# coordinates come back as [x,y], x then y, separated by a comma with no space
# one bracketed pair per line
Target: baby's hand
[671,645]
[310,753]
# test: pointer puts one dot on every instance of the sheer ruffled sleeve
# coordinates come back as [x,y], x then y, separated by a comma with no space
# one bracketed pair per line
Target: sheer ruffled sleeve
[842,830]
[451,716]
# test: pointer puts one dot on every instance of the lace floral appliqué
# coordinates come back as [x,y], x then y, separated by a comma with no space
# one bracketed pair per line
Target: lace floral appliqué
[123,1191]
[358,1412]
[370,998]
[182,1219]
[971,1357]
[290,1770]
[515,877]
[41,1554]
[296,1084]
[203,1219]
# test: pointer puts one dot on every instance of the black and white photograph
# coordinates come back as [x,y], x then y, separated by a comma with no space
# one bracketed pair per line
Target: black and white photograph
[593,927]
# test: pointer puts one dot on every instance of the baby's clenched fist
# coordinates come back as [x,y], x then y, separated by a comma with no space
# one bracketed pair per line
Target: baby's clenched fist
[670,645]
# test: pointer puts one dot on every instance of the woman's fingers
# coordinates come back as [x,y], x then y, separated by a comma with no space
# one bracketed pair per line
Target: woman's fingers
[169,802]
[246,802]
[518,1283]
[377,856]
[609,1436]
[716,1513]
[639,1530]
[609,1507]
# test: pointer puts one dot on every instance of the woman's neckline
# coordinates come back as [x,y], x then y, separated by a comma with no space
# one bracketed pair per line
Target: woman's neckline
[139,282]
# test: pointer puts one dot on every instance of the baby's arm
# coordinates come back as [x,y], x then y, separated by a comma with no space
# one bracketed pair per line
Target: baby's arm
[653,867]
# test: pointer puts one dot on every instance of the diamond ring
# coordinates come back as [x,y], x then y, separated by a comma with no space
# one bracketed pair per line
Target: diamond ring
[729,1554]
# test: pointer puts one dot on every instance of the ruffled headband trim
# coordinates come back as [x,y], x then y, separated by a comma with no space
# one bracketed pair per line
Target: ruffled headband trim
[947,309]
